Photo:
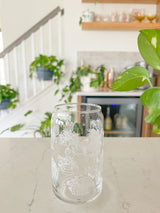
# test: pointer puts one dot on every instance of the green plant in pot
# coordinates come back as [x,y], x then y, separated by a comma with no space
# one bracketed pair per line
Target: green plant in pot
[47,67]
[8,97]
[149,47]
[76,83]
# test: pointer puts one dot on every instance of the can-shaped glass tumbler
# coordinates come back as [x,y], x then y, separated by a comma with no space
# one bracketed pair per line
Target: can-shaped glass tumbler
[77,152]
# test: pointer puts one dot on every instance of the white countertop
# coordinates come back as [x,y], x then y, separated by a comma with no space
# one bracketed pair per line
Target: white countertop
[135,93]
[131,178]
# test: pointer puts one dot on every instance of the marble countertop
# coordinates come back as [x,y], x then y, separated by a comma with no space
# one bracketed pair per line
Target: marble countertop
[131,178]
[135,93]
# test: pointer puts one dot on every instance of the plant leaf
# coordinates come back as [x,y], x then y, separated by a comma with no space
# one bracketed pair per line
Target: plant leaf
[77,128]
[28,113]
[148,44]
[56,91]
[131,79]
[156,130]
[4,131]
[153,116]
[94,82]
[151,98]
[16,127]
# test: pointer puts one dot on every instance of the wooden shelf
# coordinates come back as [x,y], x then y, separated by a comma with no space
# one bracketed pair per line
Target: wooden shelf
[118,132]
[118,26]
[124,1]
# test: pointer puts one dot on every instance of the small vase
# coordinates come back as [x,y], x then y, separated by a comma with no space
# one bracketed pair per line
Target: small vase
[4,104]
[44,74]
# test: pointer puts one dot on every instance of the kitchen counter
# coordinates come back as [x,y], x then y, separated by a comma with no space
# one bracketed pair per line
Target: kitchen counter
[135,93]
[131,178]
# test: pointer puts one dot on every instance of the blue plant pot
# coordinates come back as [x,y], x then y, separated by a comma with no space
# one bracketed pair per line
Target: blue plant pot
[4,104]
[44,74]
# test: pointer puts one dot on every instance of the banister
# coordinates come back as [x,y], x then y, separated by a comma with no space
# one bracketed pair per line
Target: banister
[33,29]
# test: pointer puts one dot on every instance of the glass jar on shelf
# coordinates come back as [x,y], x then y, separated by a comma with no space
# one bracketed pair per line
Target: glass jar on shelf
[122,17]
[114,17]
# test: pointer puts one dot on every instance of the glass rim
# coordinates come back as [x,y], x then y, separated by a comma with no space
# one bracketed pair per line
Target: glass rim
[97,108]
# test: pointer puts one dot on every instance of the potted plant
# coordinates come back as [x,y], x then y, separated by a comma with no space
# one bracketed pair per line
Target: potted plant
[76,82]
[149,47]
[8,97]
[46,67]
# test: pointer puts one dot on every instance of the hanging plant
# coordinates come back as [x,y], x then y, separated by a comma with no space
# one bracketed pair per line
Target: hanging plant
[47,67]
[8,97]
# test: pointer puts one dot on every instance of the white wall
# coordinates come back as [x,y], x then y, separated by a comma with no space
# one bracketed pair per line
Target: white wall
[19,15]
[78,40]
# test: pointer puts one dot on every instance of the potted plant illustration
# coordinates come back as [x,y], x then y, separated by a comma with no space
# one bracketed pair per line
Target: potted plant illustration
[149,47]
[47,67]
[8,97]
[76,81]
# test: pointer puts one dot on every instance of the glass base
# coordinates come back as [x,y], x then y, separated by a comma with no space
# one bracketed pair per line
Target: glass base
[69,198]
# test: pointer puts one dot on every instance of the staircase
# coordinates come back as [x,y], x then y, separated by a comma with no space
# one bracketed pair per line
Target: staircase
[45,37]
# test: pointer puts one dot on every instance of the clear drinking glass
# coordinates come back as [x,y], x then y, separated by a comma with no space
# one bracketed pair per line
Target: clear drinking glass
[77,152]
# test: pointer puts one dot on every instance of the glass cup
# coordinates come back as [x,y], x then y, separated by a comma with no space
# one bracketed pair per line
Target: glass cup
[151,17]
[140,16]
[77,152]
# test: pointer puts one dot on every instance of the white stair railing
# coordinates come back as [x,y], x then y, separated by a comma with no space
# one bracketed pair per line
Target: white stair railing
[43,38]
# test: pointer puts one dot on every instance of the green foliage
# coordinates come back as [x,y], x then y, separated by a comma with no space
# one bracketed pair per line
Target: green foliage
[16,127]
[75,82]
[149,47]
[49,62]
[45,127]
[13,128]
[6,92]
[77,128]
[151,98]
[131,79]
[28,113]
[99,77]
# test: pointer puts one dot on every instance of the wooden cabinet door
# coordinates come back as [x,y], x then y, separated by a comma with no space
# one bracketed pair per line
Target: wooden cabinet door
[147,127]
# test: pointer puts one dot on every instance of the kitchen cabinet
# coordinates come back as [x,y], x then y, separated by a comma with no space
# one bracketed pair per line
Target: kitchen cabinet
[119,25]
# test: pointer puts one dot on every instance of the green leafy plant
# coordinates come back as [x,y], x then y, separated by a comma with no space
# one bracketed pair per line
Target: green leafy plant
[149,47]
[50,63]
[6,92]
[44,129]
[75,81]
